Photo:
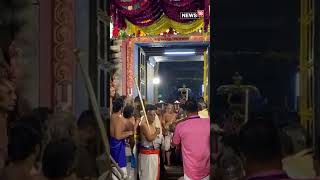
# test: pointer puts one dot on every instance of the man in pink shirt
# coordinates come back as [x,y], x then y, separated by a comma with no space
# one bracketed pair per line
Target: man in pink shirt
[193,134]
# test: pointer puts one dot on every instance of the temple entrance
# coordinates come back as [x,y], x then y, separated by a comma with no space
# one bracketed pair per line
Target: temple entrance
[164,63]
[169,73]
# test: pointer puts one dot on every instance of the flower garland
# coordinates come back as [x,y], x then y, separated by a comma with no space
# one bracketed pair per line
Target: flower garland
[144,13]
[164,23]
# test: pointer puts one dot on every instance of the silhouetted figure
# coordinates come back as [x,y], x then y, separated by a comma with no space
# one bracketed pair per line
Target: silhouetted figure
[260,144]
[58,160]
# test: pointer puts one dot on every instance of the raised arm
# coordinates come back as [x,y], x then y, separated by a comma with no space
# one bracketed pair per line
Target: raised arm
[149,136]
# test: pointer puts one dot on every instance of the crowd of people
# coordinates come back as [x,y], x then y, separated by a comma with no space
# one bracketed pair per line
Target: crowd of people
[46,145]
[166,128]
[42,145]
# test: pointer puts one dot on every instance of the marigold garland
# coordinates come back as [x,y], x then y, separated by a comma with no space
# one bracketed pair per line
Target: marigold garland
[164,23]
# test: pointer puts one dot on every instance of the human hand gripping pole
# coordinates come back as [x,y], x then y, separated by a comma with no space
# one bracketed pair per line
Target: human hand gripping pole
[141,101]
[143,108]
[97,113]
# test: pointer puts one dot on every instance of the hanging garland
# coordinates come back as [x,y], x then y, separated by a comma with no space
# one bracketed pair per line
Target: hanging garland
[144,13]
[164,23]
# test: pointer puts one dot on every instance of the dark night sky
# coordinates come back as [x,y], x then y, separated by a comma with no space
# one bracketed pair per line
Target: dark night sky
[174,74]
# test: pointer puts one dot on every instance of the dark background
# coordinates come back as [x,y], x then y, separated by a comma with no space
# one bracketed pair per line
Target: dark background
[175,74]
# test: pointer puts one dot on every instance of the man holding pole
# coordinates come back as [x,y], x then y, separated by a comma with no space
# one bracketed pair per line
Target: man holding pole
[149,157]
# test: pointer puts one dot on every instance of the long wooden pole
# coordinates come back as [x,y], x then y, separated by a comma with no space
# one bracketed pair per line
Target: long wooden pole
[142,104]
[97,113]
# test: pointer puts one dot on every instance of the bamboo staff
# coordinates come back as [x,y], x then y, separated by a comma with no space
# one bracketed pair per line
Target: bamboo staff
[97,113]
[142,104]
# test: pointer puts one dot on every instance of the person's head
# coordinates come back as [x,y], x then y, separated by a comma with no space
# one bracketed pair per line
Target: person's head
[159,109]
[61,125]
[260,140]
[169,108]
[129,101]
[137,100]
[201,100]
[191,107]
[8,97]
[24,144]
[151,112]
[117,105]
[201,106]
[128,112]
[124,98]
[87,125]
[58,159]
[112,92]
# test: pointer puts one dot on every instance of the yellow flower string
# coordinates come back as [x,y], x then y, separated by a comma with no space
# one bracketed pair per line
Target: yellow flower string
[164,23]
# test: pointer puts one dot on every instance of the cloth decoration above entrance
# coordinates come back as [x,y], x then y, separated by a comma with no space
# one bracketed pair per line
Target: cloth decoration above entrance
[144,13]
[164,23]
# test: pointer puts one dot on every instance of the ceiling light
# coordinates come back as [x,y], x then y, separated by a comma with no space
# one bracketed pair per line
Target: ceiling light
[156,80]
[180,53]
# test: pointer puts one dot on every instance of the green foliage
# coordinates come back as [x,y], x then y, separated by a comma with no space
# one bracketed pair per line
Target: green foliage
[123,34]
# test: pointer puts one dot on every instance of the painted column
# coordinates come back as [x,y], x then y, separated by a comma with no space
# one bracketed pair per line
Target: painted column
[63,59]
[124,67]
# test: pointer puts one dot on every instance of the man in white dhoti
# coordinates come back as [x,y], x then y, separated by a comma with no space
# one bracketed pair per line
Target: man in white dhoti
[149,157]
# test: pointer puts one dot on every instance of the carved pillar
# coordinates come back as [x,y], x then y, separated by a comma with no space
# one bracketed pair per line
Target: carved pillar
[63,56]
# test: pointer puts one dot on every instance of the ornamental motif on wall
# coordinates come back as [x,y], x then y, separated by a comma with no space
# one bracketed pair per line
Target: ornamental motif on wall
[63,56]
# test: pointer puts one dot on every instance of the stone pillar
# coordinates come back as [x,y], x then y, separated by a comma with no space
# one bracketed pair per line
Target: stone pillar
[63,59]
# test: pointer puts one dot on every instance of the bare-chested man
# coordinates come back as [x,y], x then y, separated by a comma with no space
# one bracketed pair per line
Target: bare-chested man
[131,123]
[118,134]
[150,146]
[168,118]
[8,100]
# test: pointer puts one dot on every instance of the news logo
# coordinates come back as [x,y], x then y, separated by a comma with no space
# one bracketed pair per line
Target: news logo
[200,13]
[192,15]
